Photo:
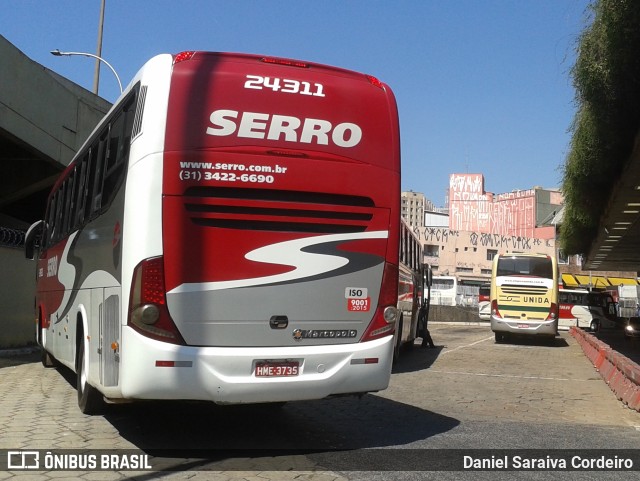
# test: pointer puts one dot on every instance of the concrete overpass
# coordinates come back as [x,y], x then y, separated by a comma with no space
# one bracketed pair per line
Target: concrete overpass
[44,118]
[617,245]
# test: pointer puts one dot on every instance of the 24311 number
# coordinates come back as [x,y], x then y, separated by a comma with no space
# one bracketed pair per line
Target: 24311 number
[285,85]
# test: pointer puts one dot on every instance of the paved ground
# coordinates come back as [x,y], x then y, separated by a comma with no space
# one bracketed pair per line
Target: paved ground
[467,379]
[38,411]
[510,381]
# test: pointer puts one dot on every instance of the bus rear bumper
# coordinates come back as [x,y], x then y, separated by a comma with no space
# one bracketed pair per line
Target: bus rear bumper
[527,328]
[156,370]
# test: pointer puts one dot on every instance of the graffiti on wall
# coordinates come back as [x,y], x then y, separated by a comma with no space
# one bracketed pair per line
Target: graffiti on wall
[473,209]
[442,235]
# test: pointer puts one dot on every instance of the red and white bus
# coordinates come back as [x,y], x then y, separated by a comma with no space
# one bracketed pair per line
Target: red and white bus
[229,233]
[591,310]
[484,302]
[410,288]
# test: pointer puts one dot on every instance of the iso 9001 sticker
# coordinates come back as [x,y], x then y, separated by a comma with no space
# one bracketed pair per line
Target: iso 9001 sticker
[357,299]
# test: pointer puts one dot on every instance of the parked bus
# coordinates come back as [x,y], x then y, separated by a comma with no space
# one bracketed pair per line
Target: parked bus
[524,295]
[228,233]
[592,310]
[444,290]
[410,288]
[484,302]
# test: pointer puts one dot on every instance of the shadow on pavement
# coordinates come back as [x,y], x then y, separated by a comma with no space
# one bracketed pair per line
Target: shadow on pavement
[305,435]
[330,424]
[12,358]
[616,339]
[415,358]
[535,341]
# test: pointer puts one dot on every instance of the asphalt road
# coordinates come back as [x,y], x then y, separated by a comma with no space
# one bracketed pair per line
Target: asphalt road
[466,395]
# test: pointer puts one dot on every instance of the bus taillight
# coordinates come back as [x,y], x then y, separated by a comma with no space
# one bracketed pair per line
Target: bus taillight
[553,312]
[148,312]
[374,81]
[494,309]
[182,56]
[284,61]
[386,315]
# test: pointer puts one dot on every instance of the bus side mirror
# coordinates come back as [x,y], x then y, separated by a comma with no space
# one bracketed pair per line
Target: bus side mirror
[33,239]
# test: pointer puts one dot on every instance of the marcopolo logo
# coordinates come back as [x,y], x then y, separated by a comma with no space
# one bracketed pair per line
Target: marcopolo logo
[299,334]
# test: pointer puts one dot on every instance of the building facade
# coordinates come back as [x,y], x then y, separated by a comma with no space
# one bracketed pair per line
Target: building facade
[480,224]
[414,207]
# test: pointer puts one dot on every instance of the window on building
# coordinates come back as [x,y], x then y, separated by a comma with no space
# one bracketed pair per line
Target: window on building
[562,257]
[491,253]
[431,250]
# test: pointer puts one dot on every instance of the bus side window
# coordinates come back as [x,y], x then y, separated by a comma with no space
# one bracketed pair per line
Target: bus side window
[117,151]
[69,204]
[59,213]
[81,191]
[51,216]
[98,160]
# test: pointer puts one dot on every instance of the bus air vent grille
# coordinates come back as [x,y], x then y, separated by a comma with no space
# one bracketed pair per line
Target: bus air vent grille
[524,290]
[281,211]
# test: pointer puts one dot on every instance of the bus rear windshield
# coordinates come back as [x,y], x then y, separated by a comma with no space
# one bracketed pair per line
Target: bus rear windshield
[514,266]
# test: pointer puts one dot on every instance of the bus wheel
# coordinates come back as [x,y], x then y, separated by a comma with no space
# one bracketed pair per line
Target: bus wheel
[594,326]
[499,336]
[90,401]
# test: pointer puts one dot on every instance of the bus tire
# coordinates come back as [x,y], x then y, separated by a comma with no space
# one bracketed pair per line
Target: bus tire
[90,401]
[594,326]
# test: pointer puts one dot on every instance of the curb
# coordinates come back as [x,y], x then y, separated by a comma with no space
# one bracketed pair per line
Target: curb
[618,371]
[18,351]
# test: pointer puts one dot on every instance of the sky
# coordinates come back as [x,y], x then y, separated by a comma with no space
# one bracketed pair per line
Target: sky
[482,86]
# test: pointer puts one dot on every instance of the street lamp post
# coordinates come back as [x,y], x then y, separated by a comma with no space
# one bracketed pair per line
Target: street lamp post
[58,53]
[96,71]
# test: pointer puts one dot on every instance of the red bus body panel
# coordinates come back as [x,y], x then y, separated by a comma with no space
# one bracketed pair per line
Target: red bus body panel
[265,187]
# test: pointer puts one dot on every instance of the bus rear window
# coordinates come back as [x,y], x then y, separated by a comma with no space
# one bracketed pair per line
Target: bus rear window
[526,266]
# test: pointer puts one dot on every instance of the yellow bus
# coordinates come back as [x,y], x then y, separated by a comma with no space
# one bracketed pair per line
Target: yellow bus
[524,295]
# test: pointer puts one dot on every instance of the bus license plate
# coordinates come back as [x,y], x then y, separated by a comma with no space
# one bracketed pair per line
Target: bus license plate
[277,369]
[523,326]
